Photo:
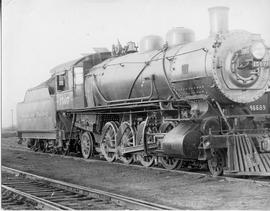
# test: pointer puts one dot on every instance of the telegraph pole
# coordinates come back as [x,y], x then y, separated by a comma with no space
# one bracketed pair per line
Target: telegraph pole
[11,118]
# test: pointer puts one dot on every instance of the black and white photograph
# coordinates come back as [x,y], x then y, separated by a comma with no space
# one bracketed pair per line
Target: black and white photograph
[135,105]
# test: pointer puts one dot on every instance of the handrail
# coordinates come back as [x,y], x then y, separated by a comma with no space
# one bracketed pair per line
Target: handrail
[146,64]
[128,99]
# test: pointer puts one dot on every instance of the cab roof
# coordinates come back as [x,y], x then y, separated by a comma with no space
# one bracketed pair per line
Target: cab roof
[66,66]
[95,58]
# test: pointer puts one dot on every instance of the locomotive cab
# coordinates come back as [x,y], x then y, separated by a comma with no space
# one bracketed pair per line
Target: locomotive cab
[70,81]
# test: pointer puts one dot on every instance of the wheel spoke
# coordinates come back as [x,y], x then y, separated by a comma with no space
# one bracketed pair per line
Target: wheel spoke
[126,138]
[87,145]
[216,163]
[108,142]
[146,161]
[170,163]
[111,133]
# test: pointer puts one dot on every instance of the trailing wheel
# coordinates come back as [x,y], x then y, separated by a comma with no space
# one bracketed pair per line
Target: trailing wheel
[30,142]
[42,145]
[34,145]
[87,145]
[108,141]
[125,138]
[166,161]
[38,145]
[145,160]
[65,147]
[216,163]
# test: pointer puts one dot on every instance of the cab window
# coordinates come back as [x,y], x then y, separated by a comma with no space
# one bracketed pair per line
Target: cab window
[78,75]
[62,82]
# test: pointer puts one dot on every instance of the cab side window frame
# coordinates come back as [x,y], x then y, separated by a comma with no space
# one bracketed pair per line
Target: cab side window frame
[62,82]
[78,76]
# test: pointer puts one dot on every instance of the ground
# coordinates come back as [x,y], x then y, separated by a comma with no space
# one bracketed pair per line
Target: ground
[180,190]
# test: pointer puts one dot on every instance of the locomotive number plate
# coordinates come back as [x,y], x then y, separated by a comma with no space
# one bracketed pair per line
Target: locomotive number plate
[258,107]
[261,63]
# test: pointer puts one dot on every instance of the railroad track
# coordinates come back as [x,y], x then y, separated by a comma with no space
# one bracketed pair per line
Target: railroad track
[255,179]
[13,199]
[46,193]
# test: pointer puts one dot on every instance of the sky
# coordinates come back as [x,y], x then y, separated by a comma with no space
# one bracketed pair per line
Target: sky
[40,34]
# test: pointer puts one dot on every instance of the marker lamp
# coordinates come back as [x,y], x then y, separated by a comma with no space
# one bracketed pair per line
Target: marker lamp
[258,50]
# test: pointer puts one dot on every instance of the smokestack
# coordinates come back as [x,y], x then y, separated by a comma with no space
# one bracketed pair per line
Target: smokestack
[218,20]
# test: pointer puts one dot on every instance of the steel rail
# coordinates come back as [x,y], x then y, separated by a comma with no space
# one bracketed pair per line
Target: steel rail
[128,201]
[38,201]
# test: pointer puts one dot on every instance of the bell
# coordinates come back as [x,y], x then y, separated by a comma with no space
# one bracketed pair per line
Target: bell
[131,47]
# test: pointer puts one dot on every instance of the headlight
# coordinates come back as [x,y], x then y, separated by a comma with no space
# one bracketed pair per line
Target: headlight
[258,50]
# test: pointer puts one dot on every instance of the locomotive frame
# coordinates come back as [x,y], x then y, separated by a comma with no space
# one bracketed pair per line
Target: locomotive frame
[83,126]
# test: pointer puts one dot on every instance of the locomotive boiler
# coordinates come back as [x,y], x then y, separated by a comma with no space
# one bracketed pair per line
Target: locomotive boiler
[174,102]
[234,72]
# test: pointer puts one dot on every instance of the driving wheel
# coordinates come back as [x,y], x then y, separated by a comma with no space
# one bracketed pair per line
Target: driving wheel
[108,141]
[125,138]
[145,160]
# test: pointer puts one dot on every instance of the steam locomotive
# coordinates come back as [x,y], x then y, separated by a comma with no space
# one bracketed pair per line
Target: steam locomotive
[170,102]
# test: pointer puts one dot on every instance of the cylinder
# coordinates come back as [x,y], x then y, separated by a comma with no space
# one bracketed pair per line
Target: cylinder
[179,36]
[218,17]
[182,141]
